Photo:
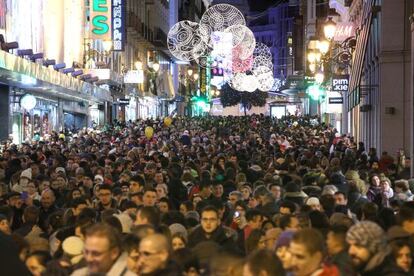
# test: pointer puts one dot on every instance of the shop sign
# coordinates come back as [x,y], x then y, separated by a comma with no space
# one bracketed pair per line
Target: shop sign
[340,83]
[336,100]
[123,101]
[118,25]
[134,76]
[290,44]
[203,80]
[100,17]
[343,31]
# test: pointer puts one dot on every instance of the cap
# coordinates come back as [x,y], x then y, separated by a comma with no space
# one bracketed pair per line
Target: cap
[26,174]
[99,177]
[60,170]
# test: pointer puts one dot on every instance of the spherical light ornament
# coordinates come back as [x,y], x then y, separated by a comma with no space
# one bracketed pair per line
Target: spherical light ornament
[218,18]
[238,33]
[262,50]
[246,47]
[183,38]
[262,62]
[240,65]
[28,102]
[250,83]
[262,70]
[205,61]
[237,80]
[266,82]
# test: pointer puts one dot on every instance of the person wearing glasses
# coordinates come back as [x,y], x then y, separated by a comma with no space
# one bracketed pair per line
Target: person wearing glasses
[154,257]
[103,253]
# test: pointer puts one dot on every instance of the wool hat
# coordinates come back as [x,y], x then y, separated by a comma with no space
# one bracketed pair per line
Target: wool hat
[284,239]
[369,235]
[178,228]
[99,177]
[313,201]
[60,170]
[125,221]
[26,173]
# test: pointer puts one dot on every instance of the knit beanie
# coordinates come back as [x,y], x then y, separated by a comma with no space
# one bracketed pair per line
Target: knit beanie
[369,235]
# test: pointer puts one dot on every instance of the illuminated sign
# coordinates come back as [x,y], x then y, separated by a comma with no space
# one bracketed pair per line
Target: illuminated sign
[340,83]
[336,100]
[101,19]
[134,76]
[343,31]
[123,101]
[290,44]
[28,102]
[118,24]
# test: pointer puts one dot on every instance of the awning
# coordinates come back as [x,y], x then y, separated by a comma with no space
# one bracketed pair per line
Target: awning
[19,72]
[361,45]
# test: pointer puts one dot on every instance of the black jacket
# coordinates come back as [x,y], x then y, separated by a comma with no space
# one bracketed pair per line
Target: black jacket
[172,269]
[219,236]
[386,268]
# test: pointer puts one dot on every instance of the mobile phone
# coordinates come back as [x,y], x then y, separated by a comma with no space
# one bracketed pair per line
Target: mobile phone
[236,214]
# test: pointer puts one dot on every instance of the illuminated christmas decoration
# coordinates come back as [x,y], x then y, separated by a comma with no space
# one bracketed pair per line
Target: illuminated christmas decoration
[184,41]
[218,18]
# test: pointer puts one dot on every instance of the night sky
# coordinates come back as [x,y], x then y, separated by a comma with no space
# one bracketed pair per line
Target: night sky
[261,5]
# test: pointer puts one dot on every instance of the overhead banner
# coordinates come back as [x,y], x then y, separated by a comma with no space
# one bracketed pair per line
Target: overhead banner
[100,19]
[118,25]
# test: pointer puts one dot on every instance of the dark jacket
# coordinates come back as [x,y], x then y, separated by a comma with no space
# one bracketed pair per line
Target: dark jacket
[219,236]
[172,269]
[386,268]
[10,263]
[343,262]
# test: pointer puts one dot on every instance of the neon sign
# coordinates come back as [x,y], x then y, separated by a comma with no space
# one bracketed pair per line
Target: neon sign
[101,19]
[118,24]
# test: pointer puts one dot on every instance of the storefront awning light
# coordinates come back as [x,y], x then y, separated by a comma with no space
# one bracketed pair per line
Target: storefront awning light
[28,102]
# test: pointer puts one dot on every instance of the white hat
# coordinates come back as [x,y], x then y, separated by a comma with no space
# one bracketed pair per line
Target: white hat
[125,221]
[26,173]
[73,246]
[60,170]
[99,177]
[312,201]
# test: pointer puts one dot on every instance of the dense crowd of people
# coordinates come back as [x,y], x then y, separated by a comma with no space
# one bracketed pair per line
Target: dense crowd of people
[248,195]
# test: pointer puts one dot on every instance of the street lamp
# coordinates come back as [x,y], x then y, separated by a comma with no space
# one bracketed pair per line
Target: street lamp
[156,66]
[138,64]
[329,29]
[107,45]
[195,76]
[319,77]
[323,46]
[312,56]
[190,72]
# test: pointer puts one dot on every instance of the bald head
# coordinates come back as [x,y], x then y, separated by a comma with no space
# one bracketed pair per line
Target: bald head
[156,242]
[48,198]
[156,246]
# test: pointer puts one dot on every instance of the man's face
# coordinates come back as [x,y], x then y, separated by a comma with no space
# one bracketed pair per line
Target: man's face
[134,187]
[209,221]
[132,261]
[340,199]
[98,255]
[218,191]
[5,227]
[47,199]
[159,178]
[293,224]
[275,190]
[160,191]
[61,182]
[304,263]
[284,211]
[233,200]
[16,201]
[78,209]
[149,198]
[150,259]
[359,255]
[105,197]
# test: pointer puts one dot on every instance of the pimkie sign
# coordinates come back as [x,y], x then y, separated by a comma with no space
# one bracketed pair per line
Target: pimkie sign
[100,19]
[340,83]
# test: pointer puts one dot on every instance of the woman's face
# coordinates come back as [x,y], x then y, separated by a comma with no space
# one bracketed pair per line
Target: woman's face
[31,188]
[246,193]
[284,256]
[183,209]
[177,243]
[375,181]
[404,258]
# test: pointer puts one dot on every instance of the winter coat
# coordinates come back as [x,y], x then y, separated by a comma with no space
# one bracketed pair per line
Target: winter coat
[220,236]
[119,268]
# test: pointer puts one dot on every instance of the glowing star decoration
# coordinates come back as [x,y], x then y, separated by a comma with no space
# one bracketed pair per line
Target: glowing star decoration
[250,83]
[184,41]
[217,18]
